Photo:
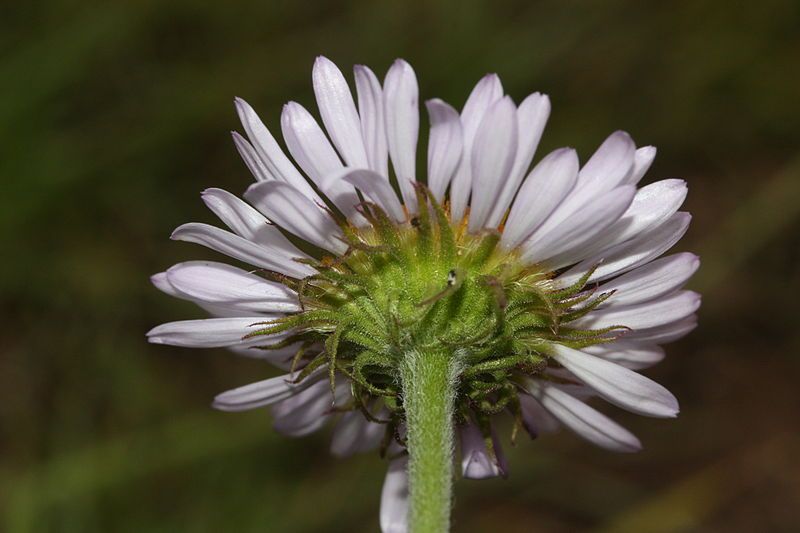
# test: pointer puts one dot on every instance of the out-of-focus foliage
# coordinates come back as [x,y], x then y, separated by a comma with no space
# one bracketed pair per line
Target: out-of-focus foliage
[114,116]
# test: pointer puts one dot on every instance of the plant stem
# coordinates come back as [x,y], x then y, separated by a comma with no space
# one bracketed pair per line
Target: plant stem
[428,395]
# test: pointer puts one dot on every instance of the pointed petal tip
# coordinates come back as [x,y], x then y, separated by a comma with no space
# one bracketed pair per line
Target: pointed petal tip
[220,404]
[242,107]
[158,279]
[402,68]
[362,70]
[633,446]
[177,232]
[507,100]
[433,102]
[476,466]
[697,300]
[251,189]
[467,467]
[667,407]
[489,82]
[546,103]
[540,99]
[630,448]
[649,150]
[152,334]
[324,67]
[564,151]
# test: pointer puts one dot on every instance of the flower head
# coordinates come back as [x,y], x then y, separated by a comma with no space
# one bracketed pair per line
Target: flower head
[544,286]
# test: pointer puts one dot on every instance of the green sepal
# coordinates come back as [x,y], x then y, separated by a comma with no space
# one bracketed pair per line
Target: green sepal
[423,223]
[586,309]
[447,244]
[576,287]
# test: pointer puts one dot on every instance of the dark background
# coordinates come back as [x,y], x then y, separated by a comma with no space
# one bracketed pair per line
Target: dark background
[115,115]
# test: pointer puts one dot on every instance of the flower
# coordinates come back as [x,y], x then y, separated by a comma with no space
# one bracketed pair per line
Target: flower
[544,286]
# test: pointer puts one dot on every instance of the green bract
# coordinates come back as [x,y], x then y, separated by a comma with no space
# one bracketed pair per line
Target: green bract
[426,285]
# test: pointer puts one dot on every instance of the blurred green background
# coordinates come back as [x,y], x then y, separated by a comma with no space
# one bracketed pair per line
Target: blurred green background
[115,115]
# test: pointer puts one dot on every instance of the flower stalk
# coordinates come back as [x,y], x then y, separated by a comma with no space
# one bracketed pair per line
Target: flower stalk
[429,390]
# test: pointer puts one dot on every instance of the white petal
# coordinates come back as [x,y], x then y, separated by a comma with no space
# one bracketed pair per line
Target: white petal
[354,433]
[241,248]
[262,393]
[492,158]
[573,387]
[247,222]
[280,358]
[394,497]
[219,311]
[269,151]
[218,283]
[401,108]
[609,166]
[338,112]
[376,188]
[476,461]
[532,116]
[445,145]
[487,91]
[305,412]
[343,195]
[212,333]
[652,280]
[224,311]
[588,423]
[630,354]
[535,418]
[315,155]
[626,256]
[607,169]
[544,188]
[641,164]
[346,434]
[651,314]
[559,240]
[617,384]
[251,158]
[307,142]
[373,128]
[664,334]
[651,206]
[162,283]
[299,215]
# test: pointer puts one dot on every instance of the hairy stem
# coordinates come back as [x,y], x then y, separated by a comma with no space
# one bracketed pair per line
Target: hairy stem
[429,391]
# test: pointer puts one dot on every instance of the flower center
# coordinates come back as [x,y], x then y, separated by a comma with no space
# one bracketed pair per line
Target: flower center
[429,283]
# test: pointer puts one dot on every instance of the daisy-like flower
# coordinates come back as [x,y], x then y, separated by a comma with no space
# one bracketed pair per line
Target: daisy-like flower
[415,309]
